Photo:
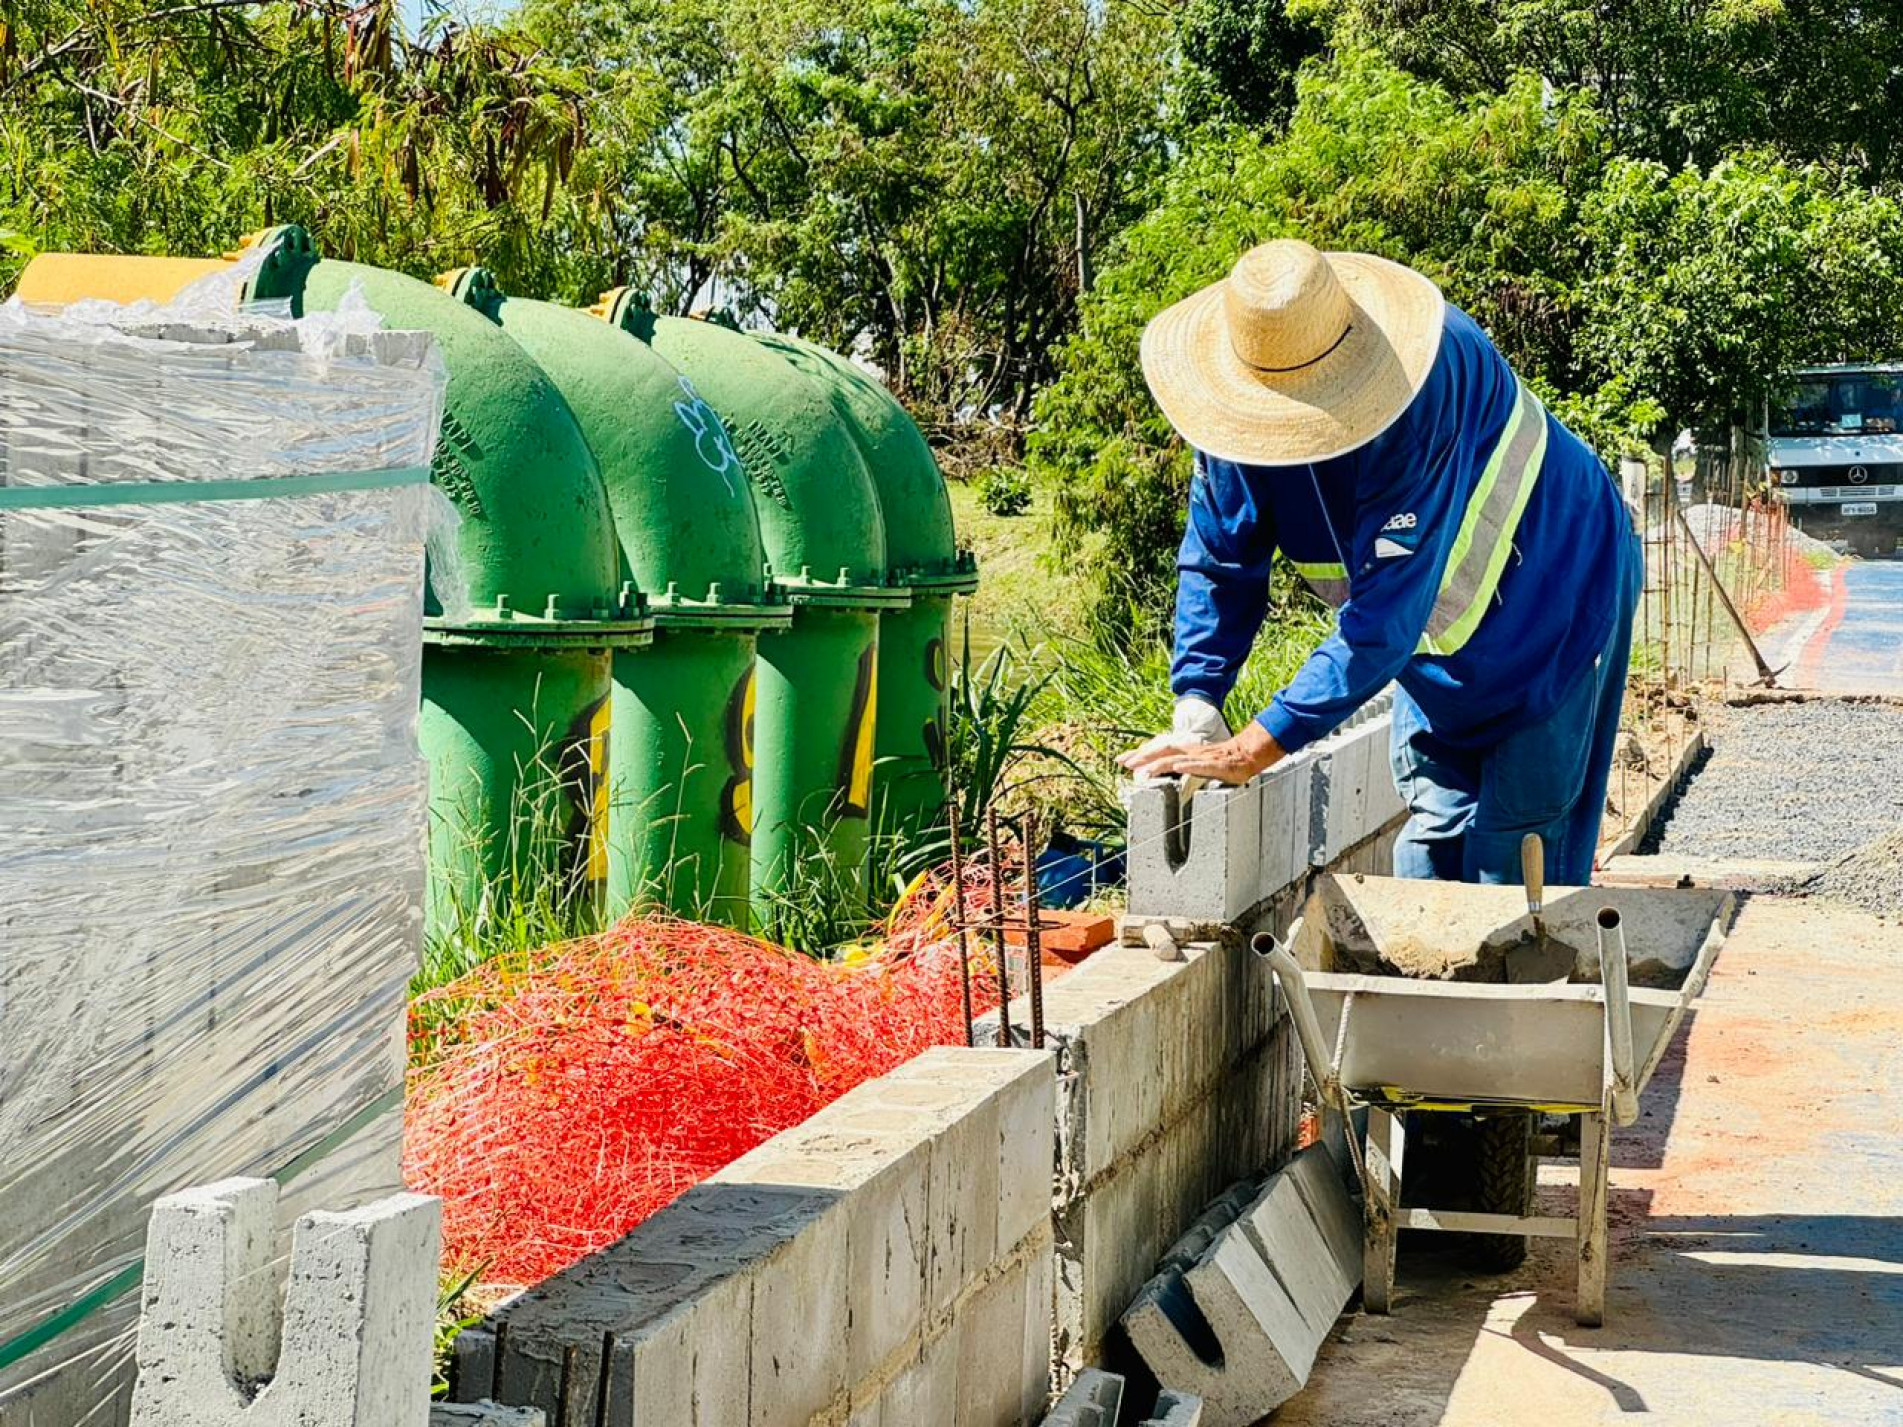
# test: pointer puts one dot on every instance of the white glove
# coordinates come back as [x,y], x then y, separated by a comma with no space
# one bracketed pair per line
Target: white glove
[1203,721]
[1196,722]
[1199,719]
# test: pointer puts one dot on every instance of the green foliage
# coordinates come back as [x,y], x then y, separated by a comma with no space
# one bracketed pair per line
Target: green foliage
[1240,59]
[922,181]
[1679,81]
[453,1317]
[998,706]
[539,893]
[1115,698]
[1005,490]
[1704,286]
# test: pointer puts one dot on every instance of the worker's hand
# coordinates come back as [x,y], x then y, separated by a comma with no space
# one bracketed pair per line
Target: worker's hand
[1196,722]
[1234,760]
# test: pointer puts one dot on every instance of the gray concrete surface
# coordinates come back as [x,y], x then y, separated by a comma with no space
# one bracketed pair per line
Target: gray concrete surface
[357,1319]
[1240,1308]
[1757,1229]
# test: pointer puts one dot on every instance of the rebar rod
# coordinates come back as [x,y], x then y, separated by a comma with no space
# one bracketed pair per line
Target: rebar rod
[958,917]
[1033,931]
[997,927]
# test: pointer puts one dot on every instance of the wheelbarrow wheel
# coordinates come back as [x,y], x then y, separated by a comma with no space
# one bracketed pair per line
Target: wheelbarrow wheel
[1505,1183]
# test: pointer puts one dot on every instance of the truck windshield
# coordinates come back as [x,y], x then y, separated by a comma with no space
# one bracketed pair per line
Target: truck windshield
[1848,404]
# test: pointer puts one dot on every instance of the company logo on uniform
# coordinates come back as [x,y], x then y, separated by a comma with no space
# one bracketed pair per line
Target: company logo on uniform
[1407,520]
[1386,549]
[1859,474]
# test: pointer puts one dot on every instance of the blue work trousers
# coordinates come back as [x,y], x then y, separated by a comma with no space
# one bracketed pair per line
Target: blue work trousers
[1469,808]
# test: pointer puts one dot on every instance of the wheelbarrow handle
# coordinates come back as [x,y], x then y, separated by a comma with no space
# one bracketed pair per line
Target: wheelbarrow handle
[1295,991]
[1612,977]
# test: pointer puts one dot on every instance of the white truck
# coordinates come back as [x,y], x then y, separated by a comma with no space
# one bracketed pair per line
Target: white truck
[1834,444]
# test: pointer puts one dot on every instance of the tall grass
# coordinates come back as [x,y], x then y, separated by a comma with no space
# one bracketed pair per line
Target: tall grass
[1114,697]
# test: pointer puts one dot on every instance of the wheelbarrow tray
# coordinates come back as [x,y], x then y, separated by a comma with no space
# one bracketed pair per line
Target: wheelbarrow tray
[1454,1045]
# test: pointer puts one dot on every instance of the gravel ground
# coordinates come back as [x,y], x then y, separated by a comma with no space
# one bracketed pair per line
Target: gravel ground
[1798,782]
[1870,878]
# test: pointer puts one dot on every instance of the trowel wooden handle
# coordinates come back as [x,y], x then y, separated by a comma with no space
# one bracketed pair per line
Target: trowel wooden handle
[1533,871]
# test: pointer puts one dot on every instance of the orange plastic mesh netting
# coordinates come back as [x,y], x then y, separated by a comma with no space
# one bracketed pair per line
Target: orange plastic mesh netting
[558,1099]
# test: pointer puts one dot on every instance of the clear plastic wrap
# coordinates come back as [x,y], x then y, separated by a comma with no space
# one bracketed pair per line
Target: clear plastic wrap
[211,799]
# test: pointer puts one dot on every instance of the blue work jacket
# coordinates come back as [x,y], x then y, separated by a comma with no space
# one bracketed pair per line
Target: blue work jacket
[1476,548]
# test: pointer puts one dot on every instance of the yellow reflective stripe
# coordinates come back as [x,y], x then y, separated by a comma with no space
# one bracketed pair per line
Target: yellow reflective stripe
[1320,572]
[1485,538]
[1330,582]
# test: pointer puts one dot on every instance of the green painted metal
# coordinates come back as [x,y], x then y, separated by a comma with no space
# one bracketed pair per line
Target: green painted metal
[516,684]
[817,694]
[680,801]
[922,555]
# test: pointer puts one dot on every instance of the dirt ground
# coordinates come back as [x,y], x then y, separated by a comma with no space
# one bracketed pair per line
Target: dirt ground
[1757,1228]
[1656,727]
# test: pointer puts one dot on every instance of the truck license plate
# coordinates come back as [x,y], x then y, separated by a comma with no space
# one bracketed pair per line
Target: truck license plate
[1862,507]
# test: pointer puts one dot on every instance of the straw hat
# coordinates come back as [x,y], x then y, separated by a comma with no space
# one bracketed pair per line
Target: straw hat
[1296,356]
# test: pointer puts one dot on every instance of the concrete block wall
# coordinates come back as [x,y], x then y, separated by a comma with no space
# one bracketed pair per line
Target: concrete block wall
[888,1262]
[1175,1078]
[1231,851]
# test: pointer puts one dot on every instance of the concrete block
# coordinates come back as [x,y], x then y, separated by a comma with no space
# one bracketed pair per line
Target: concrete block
[1027,1153]
[797,1364]
[1283,1232]
[1094,1399]
[1217,1331]
[925,1390]
[881,1280]
[1353,795]
[484,1414]
[1317,1174]
[1239,1325]
[1002,1334]
[614,1313]
[358,1316]
[687,1368]
[1175,1409]
[1201,861]
[1286,837]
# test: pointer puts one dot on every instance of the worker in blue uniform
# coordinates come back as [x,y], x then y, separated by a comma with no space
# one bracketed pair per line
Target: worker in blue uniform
[1478,555]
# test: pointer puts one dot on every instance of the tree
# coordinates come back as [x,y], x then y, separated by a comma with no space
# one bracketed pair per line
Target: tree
[135,127]
[1705,287]
[922,181]
[1678,81]
[1240,59]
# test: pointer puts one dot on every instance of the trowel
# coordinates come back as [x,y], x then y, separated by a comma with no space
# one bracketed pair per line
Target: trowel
[1533,878]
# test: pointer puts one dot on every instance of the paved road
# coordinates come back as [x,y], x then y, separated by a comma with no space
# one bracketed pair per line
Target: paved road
[1859,645]
[1757,1229]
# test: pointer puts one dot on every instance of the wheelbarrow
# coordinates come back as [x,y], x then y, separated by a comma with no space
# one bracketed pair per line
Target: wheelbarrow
[1499,1004]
